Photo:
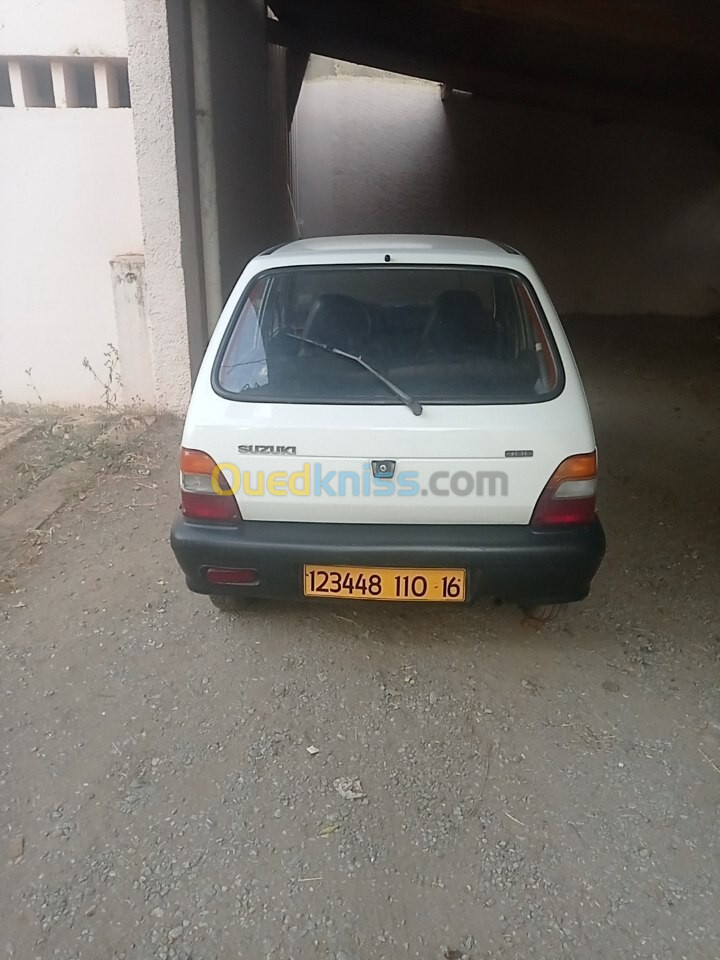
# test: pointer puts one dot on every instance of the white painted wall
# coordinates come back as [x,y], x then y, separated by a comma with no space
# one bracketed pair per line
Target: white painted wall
[63,28]
[69,203]
[618,219]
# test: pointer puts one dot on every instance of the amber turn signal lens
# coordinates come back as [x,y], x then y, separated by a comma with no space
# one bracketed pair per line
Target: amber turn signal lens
[581,467]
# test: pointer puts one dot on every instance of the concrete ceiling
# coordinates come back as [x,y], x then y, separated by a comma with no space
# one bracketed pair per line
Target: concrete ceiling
[655,62]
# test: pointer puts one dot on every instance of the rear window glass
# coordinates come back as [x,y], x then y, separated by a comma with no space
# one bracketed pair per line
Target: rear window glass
[442,335]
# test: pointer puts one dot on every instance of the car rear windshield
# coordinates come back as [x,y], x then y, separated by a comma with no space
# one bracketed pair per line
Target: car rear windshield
[442,335]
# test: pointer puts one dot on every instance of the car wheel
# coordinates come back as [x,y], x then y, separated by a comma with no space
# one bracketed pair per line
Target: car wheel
[544,611]
[229,604]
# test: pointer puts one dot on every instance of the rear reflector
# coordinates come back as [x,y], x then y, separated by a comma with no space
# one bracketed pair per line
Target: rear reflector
[229,575]
[569,496]
[204,492]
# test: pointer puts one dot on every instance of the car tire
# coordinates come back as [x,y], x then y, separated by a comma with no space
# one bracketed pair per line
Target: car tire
[543,612]
[229,604]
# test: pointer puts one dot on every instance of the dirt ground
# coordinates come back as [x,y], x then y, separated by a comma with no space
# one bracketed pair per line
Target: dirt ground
[527,793]
[54,437]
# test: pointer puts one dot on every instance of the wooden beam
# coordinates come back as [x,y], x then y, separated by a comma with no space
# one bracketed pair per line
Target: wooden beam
[646,24]
[678,27]
[596,101]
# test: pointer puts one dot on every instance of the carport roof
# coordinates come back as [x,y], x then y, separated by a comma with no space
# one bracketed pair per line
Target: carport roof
[648,61]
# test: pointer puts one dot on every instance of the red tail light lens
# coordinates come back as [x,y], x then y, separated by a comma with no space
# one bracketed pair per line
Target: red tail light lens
[205,506]
[569,496]
[204,492]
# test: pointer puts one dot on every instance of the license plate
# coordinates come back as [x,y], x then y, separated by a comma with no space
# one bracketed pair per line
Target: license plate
[385,583]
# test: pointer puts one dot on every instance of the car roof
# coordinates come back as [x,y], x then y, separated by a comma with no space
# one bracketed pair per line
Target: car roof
[400,248]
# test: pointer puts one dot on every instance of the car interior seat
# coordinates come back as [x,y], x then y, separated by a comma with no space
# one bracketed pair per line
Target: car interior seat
[459,324]
[338,321]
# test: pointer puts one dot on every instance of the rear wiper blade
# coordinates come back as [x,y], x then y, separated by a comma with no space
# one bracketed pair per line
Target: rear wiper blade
[414,405]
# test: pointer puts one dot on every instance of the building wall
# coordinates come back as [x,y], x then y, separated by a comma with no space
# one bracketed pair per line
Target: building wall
[618,219]
[68,196]
[69,204]
[90,28]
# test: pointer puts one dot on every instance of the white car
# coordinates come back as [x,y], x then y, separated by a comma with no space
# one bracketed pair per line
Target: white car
[393,418]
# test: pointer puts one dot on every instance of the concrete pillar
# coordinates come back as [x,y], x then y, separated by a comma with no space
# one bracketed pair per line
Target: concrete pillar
[161,88]
[251,205]
[59,81]
[136,372]
[107,86]
[16,83]
[207,184]
[211,135]
[103,77]
[280,142]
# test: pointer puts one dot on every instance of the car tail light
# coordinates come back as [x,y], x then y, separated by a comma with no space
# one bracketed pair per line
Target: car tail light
[569,496]
[205,494]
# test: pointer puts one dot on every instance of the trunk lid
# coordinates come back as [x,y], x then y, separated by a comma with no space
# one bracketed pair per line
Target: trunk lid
[481,464]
